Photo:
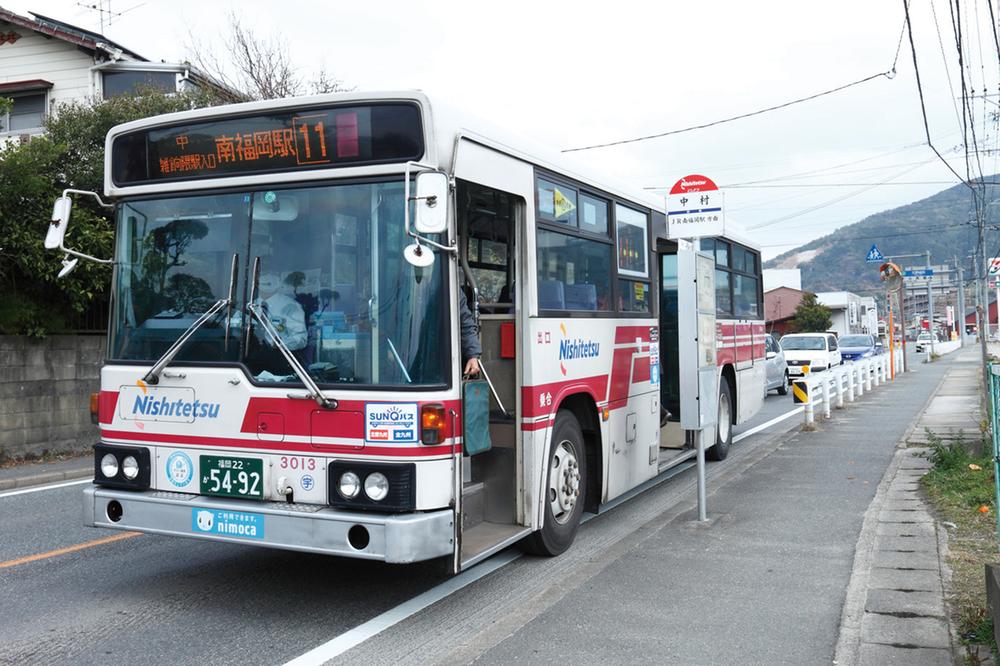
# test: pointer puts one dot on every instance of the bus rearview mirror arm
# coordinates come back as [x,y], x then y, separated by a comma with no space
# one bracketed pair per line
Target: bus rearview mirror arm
[56,234]
[429,194]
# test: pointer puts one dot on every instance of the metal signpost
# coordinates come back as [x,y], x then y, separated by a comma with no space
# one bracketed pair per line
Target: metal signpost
[694,210]
[925,274]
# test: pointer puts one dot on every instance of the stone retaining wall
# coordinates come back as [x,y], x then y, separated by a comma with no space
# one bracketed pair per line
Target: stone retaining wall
[45,388]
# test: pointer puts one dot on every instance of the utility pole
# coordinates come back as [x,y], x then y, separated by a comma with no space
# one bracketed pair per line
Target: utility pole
[984,316]
[961,304]
[930,304]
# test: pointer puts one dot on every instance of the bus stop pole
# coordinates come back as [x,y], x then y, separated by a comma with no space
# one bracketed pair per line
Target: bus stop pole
[702,506]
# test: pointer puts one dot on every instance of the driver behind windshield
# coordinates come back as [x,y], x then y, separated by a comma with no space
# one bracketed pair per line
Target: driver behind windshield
[283,311]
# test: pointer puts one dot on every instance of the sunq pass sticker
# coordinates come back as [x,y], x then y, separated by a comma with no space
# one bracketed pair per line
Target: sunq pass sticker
[391,422]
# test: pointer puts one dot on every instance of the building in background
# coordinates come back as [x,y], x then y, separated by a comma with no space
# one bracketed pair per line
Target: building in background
[779,309]
[851,314]
[782,277]
[45,62]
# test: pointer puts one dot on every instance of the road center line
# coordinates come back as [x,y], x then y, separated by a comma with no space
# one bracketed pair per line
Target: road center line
[51,486]
[768,424]
[68,549]
[354,637]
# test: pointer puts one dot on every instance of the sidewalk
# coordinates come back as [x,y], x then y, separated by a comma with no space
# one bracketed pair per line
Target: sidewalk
[763,582]
[895,609]
[33,474]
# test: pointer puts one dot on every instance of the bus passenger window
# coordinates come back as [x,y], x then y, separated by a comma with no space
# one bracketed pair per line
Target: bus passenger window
[573,273]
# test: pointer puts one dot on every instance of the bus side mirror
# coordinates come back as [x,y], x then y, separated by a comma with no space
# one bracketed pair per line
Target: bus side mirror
[430,215]
[60,220]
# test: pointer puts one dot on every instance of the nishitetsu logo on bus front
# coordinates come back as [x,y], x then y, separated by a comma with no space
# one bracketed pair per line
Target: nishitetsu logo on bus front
[176,404]
[148,405]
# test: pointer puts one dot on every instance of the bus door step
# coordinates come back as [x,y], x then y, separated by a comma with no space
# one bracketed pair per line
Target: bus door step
[473,502]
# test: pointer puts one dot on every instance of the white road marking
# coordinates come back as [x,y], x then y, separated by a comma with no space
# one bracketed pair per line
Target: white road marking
[358,635]
[51,486]
[768,424]
[349,639]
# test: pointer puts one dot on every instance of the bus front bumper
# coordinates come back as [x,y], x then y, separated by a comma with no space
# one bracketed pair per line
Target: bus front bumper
[401,538]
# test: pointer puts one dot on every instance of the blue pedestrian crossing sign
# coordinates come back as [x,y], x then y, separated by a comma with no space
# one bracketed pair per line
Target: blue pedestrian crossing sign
[874,256]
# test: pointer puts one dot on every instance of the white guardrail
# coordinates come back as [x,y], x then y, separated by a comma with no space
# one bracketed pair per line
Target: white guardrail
[848,381]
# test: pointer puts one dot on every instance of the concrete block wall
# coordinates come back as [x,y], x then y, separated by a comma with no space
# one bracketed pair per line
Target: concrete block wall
[45,388]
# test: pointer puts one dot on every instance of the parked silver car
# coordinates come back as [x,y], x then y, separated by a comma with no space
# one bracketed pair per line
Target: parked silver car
[777,368]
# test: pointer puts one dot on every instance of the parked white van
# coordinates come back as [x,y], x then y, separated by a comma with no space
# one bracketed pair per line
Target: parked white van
[819,351]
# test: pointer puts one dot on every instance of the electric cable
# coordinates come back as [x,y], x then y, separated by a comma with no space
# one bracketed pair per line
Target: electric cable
[889,75]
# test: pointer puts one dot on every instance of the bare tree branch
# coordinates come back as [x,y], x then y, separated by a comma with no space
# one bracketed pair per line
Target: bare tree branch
[255,67]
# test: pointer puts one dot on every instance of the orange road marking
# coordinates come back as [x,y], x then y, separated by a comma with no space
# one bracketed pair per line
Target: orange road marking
[68,549]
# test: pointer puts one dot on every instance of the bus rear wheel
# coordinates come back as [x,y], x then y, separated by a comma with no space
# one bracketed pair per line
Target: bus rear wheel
[565,488]
[724,425]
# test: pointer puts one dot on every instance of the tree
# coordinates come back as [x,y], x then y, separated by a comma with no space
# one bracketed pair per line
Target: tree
[256,67]
[32,175]
[811,316]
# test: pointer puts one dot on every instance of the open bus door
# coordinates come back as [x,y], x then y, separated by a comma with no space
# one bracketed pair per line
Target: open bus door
[490,220]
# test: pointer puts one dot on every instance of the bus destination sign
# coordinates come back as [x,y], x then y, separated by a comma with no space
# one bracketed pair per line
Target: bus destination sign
[268,143]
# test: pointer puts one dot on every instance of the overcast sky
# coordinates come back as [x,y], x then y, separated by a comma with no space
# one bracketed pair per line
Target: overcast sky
[578,73]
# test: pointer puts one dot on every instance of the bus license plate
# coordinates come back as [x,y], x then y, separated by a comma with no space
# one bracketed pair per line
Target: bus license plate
[232,477]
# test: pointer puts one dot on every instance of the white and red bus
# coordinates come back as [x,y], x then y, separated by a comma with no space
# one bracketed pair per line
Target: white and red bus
[284,363]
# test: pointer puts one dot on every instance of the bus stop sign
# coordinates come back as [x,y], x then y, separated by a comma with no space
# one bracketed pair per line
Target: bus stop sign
[695,208]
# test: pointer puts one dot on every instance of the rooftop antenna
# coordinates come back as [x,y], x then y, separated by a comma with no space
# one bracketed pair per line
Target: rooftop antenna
[104,12]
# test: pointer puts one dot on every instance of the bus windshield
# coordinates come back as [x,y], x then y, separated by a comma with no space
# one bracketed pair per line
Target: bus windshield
[333,284]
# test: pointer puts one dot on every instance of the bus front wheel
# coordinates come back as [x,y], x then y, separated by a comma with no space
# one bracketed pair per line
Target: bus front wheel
[565,488]
[724,425]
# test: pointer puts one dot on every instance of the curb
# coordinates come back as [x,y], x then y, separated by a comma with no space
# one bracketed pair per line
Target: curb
[848,646]
[46,477]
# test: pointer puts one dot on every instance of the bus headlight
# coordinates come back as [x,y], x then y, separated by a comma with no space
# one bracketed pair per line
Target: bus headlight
[109,466]
[125,467]
[349,485]
[376,486]
[130,467]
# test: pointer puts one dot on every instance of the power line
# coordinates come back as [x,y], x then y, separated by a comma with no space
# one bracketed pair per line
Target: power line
[878,236]
[920,91]
[889,75]
[834,200]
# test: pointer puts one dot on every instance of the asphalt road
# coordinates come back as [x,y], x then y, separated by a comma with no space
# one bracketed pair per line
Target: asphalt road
[71,594]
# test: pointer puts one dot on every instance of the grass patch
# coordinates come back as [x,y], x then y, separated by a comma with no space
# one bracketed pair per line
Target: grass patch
[958,490]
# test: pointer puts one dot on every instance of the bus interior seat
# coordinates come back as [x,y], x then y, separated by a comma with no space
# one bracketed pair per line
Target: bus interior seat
[581,296]
[551,295]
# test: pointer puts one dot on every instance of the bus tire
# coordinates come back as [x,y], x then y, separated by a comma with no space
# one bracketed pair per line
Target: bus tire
[783,389]
[565,488]
[724,424]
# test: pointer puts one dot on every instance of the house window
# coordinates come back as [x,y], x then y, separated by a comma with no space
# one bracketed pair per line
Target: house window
[131,82]
[27,113]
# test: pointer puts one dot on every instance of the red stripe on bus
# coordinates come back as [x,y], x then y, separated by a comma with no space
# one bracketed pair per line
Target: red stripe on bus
[280,446]
[624,334]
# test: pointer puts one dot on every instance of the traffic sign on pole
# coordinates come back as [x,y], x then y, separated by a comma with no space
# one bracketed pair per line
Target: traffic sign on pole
[874,256]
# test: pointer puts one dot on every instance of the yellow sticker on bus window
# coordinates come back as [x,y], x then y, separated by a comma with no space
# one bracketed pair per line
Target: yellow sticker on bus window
[640,292]
[563,205]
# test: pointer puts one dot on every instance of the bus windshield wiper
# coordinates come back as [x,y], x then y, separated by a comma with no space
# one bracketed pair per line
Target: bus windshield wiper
[258,312]
[153,376]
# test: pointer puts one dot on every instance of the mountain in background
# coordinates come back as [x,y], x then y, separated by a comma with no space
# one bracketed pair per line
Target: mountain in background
[938,223]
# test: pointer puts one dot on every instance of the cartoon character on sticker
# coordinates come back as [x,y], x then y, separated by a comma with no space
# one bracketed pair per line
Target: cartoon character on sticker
[206,519]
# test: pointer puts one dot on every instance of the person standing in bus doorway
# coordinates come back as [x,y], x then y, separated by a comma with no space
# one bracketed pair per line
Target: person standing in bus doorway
[471,348]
